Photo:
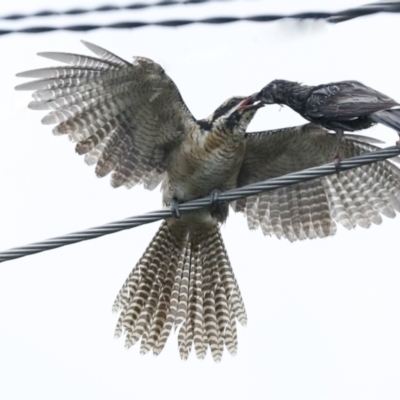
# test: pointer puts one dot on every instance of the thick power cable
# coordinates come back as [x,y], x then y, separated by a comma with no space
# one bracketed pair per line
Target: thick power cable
[231,195]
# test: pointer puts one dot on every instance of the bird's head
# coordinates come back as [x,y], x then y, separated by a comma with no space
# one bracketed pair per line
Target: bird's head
[236,112]
[276,91]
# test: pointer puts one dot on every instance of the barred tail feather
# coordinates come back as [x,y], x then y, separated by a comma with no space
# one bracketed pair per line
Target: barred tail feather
[184,279]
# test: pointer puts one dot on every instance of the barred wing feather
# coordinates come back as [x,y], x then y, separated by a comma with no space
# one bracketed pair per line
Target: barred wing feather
[310,209]
[125,117]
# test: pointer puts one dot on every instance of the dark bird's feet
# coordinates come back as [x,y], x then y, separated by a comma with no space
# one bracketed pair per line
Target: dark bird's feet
[340,140]
[336,161]
[174,205]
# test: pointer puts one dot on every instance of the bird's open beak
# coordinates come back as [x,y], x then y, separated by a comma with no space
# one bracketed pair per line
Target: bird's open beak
[252,102]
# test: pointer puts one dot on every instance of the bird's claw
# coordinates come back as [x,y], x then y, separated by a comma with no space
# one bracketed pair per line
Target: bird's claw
[341,140]
[174,205]
[215,204]
[336,162]
[214,195]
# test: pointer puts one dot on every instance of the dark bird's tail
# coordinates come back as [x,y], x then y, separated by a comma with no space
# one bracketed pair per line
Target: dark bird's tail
[185,279]
[389,118]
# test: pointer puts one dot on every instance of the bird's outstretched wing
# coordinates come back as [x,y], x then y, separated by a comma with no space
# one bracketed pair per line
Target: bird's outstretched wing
[310,209]
[346,100]
[125,117]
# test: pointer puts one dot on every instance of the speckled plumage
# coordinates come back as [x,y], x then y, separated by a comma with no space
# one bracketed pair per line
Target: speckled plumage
[130,120]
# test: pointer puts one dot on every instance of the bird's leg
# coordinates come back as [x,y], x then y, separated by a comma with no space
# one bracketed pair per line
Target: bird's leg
[174,205]
[336,157]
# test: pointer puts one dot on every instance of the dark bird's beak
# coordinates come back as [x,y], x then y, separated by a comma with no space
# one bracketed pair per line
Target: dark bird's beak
[265,95]
[251,102]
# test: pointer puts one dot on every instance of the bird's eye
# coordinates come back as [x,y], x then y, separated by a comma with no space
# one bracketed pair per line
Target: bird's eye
[233,102]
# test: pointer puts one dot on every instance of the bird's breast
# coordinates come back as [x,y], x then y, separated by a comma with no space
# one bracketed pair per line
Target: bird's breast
[204,162]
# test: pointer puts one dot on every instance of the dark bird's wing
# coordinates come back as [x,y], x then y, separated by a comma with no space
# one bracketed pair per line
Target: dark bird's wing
[346,100]
[125,117]
[310,209]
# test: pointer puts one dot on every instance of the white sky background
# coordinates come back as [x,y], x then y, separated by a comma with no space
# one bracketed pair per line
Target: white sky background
[323,314]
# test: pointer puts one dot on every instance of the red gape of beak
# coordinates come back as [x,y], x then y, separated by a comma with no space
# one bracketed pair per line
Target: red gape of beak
[249,100]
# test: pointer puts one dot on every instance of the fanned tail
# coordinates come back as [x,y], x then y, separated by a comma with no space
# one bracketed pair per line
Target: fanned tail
[184,279]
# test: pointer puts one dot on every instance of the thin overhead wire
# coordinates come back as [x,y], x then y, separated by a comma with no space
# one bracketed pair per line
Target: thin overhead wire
[231,195]
[367,9]
[104,8]
[332,17]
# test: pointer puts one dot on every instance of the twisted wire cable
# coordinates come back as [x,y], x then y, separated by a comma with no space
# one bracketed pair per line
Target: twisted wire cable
[105,8]
[332,17]
[231,195]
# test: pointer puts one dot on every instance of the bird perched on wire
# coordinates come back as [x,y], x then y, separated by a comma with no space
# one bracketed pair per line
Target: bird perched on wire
[130,120]
[340,106]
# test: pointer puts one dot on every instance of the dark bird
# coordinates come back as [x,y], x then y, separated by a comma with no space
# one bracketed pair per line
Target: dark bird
[130,120]
[340,106]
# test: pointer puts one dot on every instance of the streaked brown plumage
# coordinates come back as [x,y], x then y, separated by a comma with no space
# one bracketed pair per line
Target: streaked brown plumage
[130,120]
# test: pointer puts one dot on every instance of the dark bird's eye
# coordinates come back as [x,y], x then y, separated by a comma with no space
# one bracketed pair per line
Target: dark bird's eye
[233,102]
